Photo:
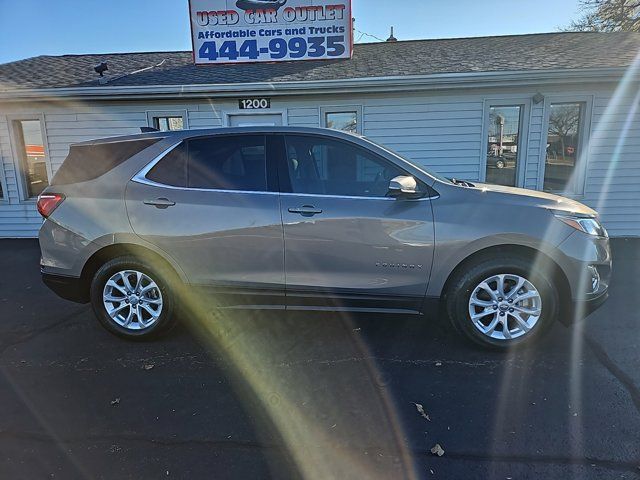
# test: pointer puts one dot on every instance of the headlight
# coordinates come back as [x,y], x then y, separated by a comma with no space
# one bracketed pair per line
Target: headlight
[588,225]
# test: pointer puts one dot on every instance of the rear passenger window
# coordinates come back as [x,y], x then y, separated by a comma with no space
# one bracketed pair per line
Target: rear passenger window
[228,163]
[172,169]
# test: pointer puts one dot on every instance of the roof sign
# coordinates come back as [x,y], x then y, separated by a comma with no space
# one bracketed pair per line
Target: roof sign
[247,31]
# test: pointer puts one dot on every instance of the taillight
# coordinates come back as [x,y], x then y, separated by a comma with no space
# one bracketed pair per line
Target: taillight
[48,202]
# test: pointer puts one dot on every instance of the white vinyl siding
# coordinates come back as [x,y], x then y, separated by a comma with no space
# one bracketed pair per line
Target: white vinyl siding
[442,131]
[613,173]
[535,151]
[17,218]
[303,117]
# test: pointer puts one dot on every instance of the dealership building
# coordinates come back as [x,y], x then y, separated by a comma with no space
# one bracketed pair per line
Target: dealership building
[554,112]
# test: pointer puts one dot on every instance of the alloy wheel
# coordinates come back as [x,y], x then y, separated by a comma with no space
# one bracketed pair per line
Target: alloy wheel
[132,299]
[505,306]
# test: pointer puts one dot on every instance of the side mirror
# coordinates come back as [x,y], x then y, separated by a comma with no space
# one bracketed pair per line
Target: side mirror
[403,185]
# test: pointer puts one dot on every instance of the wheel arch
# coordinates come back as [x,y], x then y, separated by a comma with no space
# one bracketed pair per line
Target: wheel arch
[548,264]
[103,255]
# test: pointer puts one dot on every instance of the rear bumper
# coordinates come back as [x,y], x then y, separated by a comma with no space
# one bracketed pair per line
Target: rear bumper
[69,288]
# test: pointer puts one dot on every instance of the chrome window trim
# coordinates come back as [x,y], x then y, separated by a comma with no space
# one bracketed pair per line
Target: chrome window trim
[141,178]
[348,197]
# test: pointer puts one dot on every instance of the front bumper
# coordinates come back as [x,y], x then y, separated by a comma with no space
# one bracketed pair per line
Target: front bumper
[69,288]
[584,255]
[584,308]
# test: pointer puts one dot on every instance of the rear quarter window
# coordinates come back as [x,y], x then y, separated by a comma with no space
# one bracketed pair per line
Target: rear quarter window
[88,162]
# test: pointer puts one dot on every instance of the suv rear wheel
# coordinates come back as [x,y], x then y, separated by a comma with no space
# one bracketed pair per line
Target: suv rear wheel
[502,303]
[131,299]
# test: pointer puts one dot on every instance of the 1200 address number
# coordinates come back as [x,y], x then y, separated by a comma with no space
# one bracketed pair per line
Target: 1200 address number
[279,48]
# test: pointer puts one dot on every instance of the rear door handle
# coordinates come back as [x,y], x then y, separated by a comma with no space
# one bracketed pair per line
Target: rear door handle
[161,203]
[306,211]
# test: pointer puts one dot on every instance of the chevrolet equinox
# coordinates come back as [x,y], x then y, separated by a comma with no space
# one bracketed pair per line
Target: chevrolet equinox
[310,219]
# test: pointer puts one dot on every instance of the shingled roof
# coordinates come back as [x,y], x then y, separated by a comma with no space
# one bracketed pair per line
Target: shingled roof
[550,51]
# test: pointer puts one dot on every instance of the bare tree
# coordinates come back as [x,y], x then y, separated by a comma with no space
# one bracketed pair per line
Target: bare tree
[564,123]
[607,16]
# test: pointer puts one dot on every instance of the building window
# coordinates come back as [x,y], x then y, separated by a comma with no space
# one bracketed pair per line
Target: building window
[33,162]
[345,119]
[168,121]
[168,124]
[563,146]
[505,123]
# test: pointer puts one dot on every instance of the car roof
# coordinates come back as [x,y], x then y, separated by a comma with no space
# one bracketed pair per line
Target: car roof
[186,134]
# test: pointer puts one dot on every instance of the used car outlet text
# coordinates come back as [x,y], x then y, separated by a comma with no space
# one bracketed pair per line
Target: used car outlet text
[257,17]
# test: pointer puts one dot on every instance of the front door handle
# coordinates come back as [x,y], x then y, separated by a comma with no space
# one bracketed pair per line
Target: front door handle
[161,203]
[306,211]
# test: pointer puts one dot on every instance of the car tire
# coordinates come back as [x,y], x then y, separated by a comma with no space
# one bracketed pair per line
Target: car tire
[500,164]
[150,296]
[468,296]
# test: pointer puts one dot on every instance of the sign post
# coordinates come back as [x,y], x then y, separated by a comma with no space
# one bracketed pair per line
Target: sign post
[246,31]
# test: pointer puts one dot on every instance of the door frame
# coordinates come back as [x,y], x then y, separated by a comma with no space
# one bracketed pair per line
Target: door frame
[523,141]
[226,118]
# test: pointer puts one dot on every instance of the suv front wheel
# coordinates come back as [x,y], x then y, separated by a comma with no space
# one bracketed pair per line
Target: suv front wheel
[131,299]
[502,303]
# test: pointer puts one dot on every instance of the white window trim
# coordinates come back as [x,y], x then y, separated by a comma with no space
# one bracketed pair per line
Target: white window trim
[523,142]
[583,136]
[152,114]
[4,199]
[343,109]
[226,117]
[21,178]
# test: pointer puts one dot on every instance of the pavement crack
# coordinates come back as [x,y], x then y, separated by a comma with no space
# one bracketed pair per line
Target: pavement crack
[417,362]
[626,381]
[27,337]
[129,437]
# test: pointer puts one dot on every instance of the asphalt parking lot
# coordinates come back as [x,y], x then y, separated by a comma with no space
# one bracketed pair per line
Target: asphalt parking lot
[317,396]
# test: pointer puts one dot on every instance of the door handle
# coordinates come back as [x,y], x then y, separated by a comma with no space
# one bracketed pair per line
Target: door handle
[161,203]
[306,211]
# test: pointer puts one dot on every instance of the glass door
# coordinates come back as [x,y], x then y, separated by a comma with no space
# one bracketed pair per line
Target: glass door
[504,144]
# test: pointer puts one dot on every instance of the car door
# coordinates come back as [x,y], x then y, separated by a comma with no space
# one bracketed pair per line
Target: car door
[347,243]
[211,204]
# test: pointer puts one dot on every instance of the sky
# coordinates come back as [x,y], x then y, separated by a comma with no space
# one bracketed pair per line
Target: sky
[30,28]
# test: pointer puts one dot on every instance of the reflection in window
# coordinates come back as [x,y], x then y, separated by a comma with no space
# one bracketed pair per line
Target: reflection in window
[168,124]
[504,138]
[562,146]
[228,163]
[34,163]
[321,166]
[345,121]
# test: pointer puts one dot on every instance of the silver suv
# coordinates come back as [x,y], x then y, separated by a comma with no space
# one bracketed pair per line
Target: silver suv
[310,219]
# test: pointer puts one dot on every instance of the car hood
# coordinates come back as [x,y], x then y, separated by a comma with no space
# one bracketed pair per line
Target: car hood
[541,199]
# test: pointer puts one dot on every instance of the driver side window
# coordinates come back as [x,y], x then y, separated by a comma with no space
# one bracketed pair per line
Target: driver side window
[322,166]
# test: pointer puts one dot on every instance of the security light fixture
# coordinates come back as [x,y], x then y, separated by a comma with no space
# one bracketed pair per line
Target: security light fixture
[101,68]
